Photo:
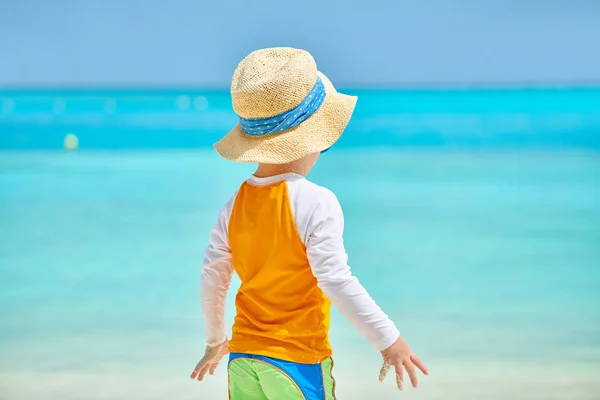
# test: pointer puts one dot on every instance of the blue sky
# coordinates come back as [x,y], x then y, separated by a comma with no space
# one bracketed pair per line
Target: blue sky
[109,43]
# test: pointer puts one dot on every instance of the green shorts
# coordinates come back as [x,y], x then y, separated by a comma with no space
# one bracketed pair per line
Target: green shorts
[254,377]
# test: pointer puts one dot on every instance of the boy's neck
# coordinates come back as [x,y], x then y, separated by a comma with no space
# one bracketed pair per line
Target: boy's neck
[267,170]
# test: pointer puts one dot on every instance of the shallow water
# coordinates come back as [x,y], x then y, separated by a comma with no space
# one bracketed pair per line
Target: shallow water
[489,262]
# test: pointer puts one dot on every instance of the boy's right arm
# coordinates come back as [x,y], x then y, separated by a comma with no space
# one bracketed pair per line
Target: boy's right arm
[328,259]
[329,263]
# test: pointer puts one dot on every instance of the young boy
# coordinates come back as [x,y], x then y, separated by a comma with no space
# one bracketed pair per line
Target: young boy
[283,237]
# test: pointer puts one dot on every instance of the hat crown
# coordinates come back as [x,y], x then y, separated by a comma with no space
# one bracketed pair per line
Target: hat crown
[271,81]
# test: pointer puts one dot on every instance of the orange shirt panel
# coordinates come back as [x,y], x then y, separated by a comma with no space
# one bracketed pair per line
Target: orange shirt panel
[281,312]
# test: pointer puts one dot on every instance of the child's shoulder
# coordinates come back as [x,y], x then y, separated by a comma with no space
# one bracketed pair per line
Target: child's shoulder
[309,195]
[313,205]
[312,190]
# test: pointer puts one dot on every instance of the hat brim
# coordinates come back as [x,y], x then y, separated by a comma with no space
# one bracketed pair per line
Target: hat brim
[319,132]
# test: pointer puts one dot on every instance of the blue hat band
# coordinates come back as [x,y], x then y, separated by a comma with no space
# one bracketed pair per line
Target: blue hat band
[289,119]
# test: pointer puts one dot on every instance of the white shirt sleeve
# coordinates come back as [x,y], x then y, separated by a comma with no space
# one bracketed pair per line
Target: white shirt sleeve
[328,260]
[215,279]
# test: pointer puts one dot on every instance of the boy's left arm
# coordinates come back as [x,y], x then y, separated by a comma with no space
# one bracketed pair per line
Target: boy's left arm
[215,279]
[216,273]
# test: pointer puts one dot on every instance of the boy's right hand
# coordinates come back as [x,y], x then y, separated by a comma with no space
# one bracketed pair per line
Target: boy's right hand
[400,356]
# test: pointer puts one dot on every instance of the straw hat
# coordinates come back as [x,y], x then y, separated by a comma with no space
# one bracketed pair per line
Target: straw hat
[286,107]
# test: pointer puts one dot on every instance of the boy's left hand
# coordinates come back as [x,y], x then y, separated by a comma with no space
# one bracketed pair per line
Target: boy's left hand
[209,363]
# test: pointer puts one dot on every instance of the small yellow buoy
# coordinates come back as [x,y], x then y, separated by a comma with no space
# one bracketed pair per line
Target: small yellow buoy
[71,142]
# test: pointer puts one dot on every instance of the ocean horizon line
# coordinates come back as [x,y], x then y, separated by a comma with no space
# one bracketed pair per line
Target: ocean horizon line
[402,86]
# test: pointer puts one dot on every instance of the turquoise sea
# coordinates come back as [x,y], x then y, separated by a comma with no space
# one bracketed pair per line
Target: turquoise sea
[472,217]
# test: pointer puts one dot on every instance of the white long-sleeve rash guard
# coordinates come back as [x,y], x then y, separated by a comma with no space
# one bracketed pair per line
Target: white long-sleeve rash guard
[320,222]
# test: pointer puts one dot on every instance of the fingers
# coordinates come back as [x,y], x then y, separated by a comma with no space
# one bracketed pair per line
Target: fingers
[202,368]
[196,370]
[419,364]
[210,361]
[399,376]
[203,364]
[203,372]
[400,364]
[212,368]
[199,367]
[412,373]
[384,370]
